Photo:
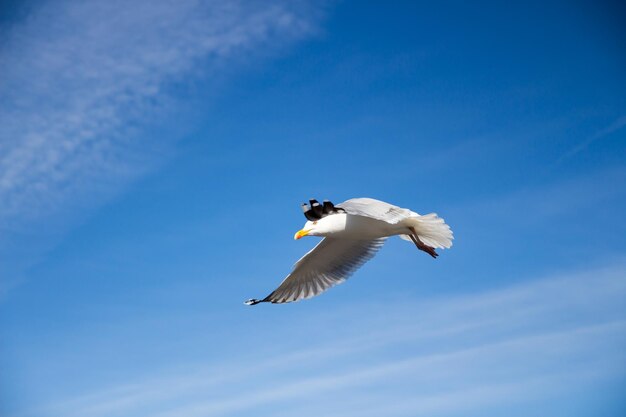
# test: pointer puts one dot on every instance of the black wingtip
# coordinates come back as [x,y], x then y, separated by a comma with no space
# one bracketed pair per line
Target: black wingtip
[316,209]
[308,212]
[328,207]
[252,301]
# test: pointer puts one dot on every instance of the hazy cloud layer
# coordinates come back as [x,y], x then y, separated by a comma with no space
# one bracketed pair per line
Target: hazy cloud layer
[81,79]
[516,345]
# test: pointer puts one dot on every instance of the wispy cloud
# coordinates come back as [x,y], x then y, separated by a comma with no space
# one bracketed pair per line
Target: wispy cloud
[81,81]
[539,340]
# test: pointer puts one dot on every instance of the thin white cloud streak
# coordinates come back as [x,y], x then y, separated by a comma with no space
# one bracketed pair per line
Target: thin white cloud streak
[532,341]
[569,197]
[618,124]
[477,398]
[82,79]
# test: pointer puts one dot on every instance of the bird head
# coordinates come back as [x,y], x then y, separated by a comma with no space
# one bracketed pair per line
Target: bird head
[322,227]
[309,229]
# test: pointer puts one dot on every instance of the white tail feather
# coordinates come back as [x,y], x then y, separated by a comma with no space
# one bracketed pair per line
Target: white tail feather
[431,230]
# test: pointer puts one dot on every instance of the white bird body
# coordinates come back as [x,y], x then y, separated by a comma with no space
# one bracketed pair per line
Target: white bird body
[349,226]
[353,232]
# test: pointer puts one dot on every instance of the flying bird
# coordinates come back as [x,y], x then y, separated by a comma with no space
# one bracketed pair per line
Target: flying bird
[353,232]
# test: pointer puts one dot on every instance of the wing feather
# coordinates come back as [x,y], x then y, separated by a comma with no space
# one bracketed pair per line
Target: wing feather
[329,263]
[376,209]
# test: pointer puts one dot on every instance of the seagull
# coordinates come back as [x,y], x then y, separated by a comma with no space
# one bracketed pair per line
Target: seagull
[353,232]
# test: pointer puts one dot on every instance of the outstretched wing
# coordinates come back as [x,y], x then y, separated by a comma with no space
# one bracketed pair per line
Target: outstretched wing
[376,209]
[329,263]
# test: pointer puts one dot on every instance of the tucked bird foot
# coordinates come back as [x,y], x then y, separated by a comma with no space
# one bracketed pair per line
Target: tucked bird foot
[421,245]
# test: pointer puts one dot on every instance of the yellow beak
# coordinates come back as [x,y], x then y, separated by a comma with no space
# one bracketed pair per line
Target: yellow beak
[301,233]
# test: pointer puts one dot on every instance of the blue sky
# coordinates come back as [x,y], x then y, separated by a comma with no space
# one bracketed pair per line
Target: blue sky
[153,157]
